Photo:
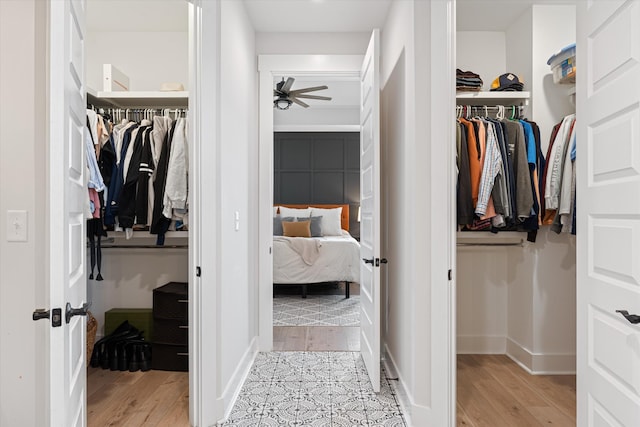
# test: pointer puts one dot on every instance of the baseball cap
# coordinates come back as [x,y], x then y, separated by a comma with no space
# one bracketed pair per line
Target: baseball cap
[507,82]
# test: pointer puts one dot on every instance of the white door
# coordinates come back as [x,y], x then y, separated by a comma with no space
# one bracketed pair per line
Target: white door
[608,119]
[67,198]
[370,210]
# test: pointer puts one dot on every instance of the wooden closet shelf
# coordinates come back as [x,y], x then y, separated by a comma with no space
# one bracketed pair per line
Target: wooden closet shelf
[139,99]
[492,98]
[145,235]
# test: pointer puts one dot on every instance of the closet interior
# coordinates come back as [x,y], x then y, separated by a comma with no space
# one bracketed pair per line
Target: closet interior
[136,75]
[516,291]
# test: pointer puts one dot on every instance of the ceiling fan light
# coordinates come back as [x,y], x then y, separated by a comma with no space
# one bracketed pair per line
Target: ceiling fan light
[282,103]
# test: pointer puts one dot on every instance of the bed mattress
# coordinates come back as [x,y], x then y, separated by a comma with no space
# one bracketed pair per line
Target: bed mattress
[338,260]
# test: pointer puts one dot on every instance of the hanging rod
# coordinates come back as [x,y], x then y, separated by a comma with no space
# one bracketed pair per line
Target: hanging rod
[144,246]
[477,109]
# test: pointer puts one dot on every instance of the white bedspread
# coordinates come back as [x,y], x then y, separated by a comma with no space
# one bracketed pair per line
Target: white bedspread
[338,260]
[308,249]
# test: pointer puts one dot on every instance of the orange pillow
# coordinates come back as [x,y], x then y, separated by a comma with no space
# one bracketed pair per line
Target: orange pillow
[296,229]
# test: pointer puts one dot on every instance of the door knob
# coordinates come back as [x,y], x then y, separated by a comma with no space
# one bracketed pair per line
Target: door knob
[368,261]
[632,318]
[70,312]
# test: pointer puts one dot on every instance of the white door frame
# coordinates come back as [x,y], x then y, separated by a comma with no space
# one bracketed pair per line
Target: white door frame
[204,407]
[205,403]
[268,67]
[443,306]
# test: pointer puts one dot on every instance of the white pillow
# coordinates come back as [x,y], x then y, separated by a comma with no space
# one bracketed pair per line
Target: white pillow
[331,220]
[295,212]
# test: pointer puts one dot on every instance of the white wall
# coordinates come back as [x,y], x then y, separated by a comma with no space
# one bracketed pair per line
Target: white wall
[312,43]
[315,118]
[483,52]
[405,77]
[22,174]
[147,58]
[482,293]
[519,44]
[542,307]
[238,144]
[130,275]
[554,27]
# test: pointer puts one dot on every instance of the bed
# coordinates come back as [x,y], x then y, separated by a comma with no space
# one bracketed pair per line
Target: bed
[311,260]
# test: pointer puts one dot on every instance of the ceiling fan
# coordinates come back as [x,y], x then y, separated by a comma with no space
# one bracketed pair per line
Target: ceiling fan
[284,96]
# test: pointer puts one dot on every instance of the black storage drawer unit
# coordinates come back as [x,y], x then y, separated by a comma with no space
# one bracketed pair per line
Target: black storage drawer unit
[170,349]
[171,301]
[170,331]
[167,357]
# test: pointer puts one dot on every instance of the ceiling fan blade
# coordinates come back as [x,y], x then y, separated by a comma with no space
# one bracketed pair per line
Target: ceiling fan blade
[300,103]
[287,85]
[277,92]
[308,89]
[301,95]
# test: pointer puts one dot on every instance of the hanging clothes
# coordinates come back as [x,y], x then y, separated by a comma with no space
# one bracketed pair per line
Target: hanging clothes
[500,188]
[560,194]
[129,166]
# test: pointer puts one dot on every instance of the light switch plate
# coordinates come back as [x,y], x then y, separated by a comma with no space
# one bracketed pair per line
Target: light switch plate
[16,226]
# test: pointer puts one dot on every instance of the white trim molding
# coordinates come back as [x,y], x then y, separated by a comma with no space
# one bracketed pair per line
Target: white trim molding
[316,128]
[205,399]
[541,363]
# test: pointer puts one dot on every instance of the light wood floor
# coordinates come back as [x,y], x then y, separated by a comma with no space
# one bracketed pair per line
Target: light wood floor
[316,338]
[135,399]
[494,391]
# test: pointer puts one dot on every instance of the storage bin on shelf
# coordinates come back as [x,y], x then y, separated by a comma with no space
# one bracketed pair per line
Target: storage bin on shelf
[563,65]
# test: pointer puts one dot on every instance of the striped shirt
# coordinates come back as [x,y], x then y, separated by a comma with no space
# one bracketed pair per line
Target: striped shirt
[491,168]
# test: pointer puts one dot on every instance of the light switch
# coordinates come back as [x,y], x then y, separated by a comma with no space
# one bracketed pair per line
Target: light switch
[237,220]
[16,226]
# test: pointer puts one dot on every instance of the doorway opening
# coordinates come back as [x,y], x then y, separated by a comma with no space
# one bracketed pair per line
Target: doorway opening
[133,94]
[524,276]
[316,162]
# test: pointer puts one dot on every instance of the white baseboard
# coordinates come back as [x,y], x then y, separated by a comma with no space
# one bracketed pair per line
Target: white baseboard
[481,344]
[541,363]
[414,415]
[400,386]
[232,390]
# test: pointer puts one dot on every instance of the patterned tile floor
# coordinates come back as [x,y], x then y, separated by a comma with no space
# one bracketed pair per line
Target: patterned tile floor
[316,310]
[313,389]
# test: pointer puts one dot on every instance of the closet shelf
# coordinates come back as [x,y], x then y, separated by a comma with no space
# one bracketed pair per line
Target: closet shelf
[494,98]
[145,235]
[487,238]
[141,99]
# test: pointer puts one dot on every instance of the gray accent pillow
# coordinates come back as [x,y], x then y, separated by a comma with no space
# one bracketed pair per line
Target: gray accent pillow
[277,224]
[316,225]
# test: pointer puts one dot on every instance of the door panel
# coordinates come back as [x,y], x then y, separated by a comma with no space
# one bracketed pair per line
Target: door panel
[68,199]
[370,210]
[608,213]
